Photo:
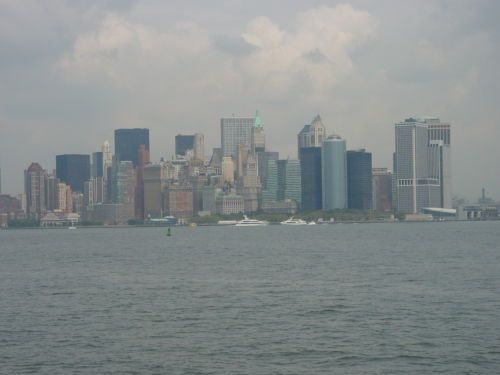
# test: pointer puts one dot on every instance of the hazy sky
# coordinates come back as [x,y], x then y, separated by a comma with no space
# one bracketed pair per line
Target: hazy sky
[72,71]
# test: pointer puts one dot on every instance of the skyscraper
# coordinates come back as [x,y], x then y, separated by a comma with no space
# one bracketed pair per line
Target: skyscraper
[139,187]
[421,163]
[310,167]
[359,180]
[249,184]
[263,157]
[97,167]
[74,170]
[284,181]
[195,143]
[382,189]
[235,131]
[258,136]
[34,188]
[334,173]
[311,135]
[127,142]
[154,184]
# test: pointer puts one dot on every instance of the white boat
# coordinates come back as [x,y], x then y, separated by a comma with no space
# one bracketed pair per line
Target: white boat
[292,221]
[246,222]
[311,223]
[227,222]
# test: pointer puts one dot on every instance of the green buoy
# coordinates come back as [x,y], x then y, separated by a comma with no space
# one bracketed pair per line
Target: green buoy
[168,232]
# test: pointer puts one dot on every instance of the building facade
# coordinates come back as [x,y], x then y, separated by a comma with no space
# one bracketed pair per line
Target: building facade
[73,169]
[311,135]
[311,178]
[359,180]
[334,173]
[127,142]
[235,131]
[34,188]
[382,189]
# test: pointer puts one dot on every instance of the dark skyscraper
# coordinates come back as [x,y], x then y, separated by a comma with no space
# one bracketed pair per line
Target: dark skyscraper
[74,170]
[183,143]
[310,164]
[97,164]
[359,180]
[127,142]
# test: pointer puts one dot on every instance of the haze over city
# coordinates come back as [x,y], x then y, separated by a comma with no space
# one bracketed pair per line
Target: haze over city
[73,71]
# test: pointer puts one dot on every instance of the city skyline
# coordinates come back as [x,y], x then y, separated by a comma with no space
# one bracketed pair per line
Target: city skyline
[391,69]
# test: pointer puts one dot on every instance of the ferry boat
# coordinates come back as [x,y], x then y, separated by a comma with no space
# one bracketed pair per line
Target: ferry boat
[227,222]
[292,221]
[246,222]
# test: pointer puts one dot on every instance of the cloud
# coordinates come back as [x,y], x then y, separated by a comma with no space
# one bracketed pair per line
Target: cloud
[313,57]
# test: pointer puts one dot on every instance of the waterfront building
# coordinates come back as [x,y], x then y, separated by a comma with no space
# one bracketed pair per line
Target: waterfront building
[227,204]
[34,188]
[382,189]
[154,185]
[249,184]
[64,198]
[198,183]
[311,135]
[179,201]
[359,180]
[235,131]
[311,178]
[334,173]
[139,187]
[124,182]
[10,209]
[283,183]
[422,175]
[51,192]
[127,142]
[73,169]
[208,199]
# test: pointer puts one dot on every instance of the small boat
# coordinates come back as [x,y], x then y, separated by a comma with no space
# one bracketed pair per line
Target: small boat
[72,227]
[311,223]
[292,221]
[246,222]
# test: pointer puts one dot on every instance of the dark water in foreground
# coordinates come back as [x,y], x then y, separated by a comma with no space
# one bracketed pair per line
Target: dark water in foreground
[341,299]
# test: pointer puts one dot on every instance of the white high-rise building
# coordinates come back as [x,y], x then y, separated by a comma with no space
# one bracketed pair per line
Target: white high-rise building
[422,165]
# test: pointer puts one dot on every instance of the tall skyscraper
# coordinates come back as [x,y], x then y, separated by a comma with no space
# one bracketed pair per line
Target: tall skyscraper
[249,184]
[127,142]
[97,167]
[139,188]
[235,131]
[74,170]
[334,173]
[284,181]
[258,136]
[359,180]
[422,176]
[263,157]
[34,188]
[312,135]
[311,172]
[382,189]
[186,144]
[154,184]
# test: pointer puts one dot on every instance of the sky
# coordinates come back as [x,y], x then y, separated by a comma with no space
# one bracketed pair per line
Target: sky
[72,71]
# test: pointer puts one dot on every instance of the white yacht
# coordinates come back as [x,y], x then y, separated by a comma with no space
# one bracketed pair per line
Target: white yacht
[246,222]
[292,221]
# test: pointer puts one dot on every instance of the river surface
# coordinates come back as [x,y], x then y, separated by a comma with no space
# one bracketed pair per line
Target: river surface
[327,299]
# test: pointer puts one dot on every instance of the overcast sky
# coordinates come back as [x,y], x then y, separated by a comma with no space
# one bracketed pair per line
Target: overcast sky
[72,71]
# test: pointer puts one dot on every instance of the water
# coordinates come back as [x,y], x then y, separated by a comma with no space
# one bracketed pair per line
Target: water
[341,299]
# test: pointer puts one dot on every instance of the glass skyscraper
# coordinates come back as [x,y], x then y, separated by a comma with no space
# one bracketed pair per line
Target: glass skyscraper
[127,142]
[359,180]
[74,170]
[235,131]
[310,167]
[334,173]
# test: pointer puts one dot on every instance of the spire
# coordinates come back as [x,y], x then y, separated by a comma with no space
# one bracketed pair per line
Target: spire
[257,122]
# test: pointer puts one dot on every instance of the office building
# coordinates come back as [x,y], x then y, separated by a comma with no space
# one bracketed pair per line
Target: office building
[311,135]
[249,184]
[190,145]
[127,142]
[311,180]
[73,169]
[258,136]
[229,204]
[154,184]
[228,170]
[359,180]
[123,188]
[419,165]
[382,189]
[34,188]
[179,201]
[334,173]
[97,167]
[263,157]
[139,186]
[235,131]
[283,182]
